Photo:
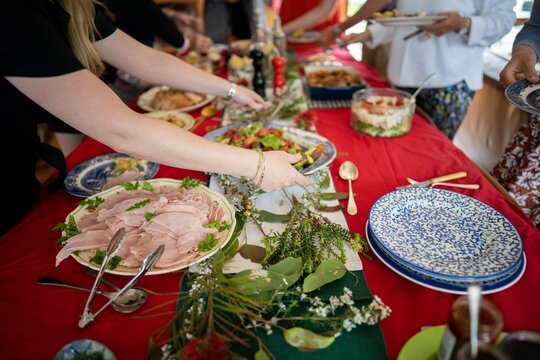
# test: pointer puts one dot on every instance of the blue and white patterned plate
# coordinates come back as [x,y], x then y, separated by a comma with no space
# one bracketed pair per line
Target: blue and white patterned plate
[303,138]
[487,288]
[446,235]
[525,96]
[89,177]
[461,282]
[78,348]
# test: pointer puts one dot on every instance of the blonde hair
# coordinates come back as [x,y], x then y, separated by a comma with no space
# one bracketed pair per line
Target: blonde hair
[81,33]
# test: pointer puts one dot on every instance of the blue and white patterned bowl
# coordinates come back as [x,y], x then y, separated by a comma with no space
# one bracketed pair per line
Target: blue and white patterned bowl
[487,288]
[301,137]
[84,346]
[445,235]
[525,96]
[89,177]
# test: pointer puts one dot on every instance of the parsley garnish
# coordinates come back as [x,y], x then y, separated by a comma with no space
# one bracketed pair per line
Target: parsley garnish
[69,229]
[188,183]
[218,225]
[149,216]
[100,256]
[139,205]
[208,244]
[147,186]
[92,204]
[131,186]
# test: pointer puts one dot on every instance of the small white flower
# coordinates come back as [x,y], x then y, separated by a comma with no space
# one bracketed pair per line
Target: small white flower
[273,320]
[348,325]
[303,296]
[189,336]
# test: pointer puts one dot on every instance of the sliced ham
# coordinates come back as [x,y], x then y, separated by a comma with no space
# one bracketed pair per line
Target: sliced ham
[125,177]
[178,220]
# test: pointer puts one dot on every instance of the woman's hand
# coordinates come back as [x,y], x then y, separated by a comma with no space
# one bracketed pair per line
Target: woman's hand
[358,38]
[326,37]
[245,96]
[279,173]
[520,66]
[453,23]
[200,43]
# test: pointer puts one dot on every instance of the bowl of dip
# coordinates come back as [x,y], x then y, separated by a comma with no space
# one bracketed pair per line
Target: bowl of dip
[382,112]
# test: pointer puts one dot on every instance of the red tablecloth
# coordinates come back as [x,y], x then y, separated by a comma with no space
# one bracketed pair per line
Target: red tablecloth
[37,320]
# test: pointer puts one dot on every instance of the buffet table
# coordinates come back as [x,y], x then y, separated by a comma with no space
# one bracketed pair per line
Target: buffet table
[36,321]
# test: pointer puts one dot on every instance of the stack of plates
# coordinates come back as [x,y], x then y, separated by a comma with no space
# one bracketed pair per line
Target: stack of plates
[445,241]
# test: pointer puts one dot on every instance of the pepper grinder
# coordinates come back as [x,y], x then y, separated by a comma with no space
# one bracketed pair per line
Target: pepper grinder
[258,75]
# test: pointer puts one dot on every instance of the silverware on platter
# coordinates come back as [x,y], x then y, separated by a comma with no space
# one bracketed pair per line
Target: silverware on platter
[113,247]
[439,179]
[461,186]
[146,265]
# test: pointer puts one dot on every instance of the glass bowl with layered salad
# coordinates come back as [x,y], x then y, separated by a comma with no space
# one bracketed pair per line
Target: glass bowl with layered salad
[382,112]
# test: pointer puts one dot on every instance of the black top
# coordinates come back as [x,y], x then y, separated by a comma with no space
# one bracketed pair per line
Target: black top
[143,19]
[34,45]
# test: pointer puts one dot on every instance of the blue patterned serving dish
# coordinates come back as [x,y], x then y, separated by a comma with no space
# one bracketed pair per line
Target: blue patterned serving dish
[89,177]
[446,235]
[85,347]
[525,96]
[435,284]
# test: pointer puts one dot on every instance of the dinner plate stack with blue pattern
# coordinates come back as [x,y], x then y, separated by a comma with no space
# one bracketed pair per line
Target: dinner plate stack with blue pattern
[445,241]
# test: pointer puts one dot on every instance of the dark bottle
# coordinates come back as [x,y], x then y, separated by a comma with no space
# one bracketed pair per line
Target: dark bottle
[457,332]
[258,74]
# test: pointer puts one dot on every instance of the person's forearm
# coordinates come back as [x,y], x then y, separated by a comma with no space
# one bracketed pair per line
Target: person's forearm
[95,110]
[156,67]
[365,12]
[323,12]
[530,34]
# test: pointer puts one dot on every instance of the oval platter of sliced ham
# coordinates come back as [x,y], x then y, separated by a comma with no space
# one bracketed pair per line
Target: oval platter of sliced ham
[192,221]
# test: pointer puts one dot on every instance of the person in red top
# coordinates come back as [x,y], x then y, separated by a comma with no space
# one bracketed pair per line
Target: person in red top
[310,14]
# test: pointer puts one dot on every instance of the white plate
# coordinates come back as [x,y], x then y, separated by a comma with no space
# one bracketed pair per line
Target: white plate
[145,100]
[444,234]
[165,115]
[89,177]
[309,38]
[303,138]
[525,96]
[408,20]
[83,257]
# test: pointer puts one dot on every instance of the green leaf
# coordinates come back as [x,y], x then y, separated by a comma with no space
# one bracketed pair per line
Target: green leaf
[307,340]
[131,186]
[326,181]
[99,256]
[149,216]
[188,183]
[236,356]
[139,205]
[328,271]
[69,229]
[267,216]
[147,186]
[91,204]
[272,141]
[261,355]
[254,253]
[264,283]
[327,196]
[208,244]
[230,250]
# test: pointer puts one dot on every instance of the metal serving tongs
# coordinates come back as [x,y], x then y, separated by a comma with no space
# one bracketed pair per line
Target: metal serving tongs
[146,265]
[111,250]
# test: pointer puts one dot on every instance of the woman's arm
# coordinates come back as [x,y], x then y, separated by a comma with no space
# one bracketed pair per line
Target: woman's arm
[325,11]
[157,67]
[84,102]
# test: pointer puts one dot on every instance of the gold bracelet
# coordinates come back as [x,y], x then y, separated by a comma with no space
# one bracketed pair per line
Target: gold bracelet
[259,183]
[259,163]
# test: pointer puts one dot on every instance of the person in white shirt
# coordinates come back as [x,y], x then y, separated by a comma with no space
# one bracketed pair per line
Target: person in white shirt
[451,48]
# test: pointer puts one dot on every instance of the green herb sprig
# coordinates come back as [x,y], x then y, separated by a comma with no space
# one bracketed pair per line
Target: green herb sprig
[99,256]
[69,229]
[139,205]
[188,183]
[92,204]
